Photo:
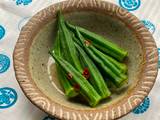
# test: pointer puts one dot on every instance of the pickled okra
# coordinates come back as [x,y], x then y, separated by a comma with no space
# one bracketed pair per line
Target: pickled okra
[107,66]
[68,88]
[70,53]
[121,66]
[83,59]
[69,50]
[96,78]
[86,89]
[106,61]
[101,43]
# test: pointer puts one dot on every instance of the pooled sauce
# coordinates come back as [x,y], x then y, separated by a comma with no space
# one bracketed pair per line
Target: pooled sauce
[54,78]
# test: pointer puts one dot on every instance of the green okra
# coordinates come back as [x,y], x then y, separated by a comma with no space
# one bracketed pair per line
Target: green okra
[106,61]
[68,88]
[118,80]
[96,78]
[107,66]
[86,89]
[101,43]
[57,47]
[121,66]
[70,53]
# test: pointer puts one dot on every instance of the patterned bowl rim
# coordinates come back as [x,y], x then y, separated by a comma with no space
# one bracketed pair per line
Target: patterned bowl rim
[117,110]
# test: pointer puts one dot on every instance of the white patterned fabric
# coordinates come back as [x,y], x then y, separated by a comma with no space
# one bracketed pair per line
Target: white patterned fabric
[15,13]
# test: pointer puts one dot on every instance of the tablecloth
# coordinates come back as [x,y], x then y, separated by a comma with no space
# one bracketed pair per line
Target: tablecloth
[15,13]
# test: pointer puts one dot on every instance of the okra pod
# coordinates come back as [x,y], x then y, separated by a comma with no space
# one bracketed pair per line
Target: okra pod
[101,43]
[70,53]
[121,66]
[96,78]
[68,88]
[117,79]
[106,61]
[107,66]
[85,88]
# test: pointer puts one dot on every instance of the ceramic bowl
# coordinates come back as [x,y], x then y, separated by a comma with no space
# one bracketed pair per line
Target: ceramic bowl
[36,73]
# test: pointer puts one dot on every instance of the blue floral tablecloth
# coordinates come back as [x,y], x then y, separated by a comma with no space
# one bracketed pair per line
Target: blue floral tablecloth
[15,13]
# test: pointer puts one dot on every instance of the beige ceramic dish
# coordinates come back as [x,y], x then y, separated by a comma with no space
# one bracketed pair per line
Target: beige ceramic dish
[37,77]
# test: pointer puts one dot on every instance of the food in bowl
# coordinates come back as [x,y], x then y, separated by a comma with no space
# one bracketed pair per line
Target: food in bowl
[81,56]
[36,72]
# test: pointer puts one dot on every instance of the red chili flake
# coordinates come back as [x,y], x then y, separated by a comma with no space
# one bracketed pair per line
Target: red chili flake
[69,76]
[86,73]
[76,87]
[87,42]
